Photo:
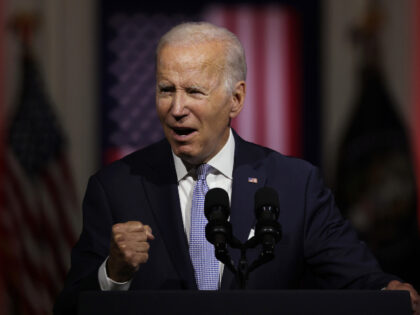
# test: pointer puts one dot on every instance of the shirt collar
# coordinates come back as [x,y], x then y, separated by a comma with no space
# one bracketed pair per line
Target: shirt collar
[222,161]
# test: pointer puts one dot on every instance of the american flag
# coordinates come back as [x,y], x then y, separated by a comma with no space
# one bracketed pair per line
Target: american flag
[253,180]
[270,36]
[272,112]
[39,214]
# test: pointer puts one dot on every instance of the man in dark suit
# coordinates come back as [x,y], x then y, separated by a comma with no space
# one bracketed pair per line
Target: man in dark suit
[138,225]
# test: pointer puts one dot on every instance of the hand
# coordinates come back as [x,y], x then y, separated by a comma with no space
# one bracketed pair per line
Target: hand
[129,248]
[415,299]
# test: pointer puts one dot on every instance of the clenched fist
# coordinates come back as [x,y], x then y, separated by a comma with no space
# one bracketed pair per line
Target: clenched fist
[129,248]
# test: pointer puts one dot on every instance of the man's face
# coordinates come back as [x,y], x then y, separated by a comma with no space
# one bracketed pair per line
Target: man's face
[192,102]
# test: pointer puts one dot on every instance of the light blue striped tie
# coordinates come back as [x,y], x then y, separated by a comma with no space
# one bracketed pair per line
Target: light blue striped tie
[206,266]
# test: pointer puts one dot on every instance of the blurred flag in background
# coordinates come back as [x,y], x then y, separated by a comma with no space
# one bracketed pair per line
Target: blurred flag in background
[375,184]
[39,212]
[270,36]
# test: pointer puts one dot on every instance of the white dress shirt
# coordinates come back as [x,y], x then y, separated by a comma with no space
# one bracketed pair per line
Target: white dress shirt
[220,176]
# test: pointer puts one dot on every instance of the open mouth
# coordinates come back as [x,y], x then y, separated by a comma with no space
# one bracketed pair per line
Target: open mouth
[183,131]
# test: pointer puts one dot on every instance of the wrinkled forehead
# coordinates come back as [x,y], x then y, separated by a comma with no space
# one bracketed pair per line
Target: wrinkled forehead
[192,55]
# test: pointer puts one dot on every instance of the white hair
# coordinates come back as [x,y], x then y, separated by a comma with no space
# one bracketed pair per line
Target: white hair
[201,32]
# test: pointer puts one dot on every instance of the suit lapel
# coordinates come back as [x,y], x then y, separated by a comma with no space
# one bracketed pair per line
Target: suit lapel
[247,179]
[162,191]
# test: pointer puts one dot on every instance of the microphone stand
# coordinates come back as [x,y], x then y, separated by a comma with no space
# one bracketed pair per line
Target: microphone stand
[243,269]
[219,231]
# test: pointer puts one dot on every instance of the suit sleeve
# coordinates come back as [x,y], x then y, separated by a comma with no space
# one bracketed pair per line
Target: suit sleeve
[336,257]
[91,249]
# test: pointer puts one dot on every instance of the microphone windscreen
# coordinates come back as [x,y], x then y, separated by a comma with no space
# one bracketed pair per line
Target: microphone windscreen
[216,197]
[266,196]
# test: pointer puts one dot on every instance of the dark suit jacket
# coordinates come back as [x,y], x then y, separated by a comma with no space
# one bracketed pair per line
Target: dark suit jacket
[317,244]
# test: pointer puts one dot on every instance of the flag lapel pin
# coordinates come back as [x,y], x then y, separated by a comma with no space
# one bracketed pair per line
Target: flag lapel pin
[253,180]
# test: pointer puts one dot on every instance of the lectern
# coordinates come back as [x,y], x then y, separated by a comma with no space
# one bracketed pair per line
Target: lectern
[294,302]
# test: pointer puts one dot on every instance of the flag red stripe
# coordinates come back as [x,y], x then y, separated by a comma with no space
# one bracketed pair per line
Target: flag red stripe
[293,73]
[113,154]
[260,99]
[228,18]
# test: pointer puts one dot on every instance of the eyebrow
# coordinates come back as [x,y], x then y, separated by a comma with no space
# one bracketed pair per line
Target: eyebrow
[163,85]
[195,87]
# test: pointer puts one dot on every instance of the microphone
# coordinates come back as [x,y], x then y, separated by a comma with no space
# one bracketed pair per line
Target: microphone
[217,211]
[267,229]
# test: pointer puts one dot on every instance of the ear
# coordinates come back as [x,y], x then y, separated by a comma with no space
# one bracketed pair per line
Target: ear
[238,98]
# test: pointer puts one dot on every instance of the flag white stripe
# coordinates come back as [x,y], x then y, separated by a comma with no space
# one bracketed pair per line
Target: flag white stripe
[276,107]
[246,120]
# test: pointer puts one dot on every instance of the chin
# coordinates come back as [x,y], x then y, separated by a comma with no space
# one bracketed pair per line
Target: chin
[188,157]
[183,154]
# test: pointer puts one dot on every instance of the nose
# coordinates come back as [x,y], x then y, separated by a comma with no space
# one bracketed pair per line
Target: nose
[178,108]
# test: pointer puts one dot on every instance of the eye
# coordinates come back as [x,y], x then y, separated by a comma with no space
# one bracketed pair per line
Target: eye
[166,89]
[193,90]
